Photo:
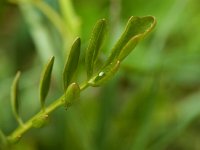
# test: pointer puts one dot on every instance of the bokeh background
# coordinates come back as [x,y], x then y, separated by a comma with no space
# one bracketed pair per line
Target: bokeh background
[153,103]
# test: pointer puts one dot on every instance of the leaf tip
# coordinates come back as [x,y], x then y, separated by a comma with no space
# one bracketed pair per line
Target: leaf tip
[77,41]
[45,81]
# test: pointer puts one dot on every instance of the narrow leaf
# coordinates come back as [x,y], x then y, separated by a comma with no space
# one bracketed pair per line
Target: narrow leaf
[45,81]
[72,63]
[130,45]
[106,73]
[71,95]
[186,112]
[15,97]
[136,29]
[94,46]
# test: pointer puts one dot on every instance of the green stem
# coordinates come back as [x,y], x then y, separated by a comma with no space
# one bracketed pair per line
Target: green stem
[84,86]
[17,134]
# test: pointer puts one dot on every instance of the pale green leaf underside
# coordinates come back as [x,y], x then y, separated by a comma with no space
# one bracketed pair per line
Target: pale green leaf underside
[137,28]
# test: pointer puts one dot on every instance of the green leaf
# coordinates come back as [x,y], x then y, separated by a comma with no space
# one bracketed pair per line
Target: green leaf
[136,29]
[104,75]
[45,81]
[71,95]
[72,63]
[15,97]
[94,46]
[130,45]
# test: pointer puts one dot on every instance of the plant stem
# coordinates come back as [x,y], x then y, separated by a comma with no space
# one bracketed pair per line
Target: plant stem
[17,134]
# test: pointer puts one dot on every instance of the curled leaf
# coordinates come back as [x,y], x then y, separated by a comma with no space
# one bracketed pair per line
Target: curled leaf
[15,97]
[45,81]
[72,63]
[136,29]
[71,95]
[105,74]
[94,46]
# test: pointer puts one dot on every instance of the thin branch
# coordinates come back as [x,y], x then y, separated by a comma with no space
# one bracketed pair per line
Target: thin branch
[17,134]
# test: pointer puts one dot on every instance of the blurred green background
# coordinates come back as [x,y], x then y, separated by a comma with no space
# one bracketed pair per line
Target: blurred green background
[153,103]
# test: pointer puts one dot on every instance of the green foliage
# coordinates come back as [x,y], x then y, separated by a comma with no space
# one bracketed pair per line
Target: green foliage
[136,29]
[72,91]
[151,103]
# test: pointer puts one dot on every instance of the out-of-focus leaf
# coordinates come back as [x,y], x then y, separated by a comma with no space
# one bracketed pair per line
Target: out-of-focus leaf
[72,63]
[148,105]
[71,95]
[3,141]
[187,111]
[71,19]
[94,46]
[136,29]
[15,95]
[105,74]
[45,81]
